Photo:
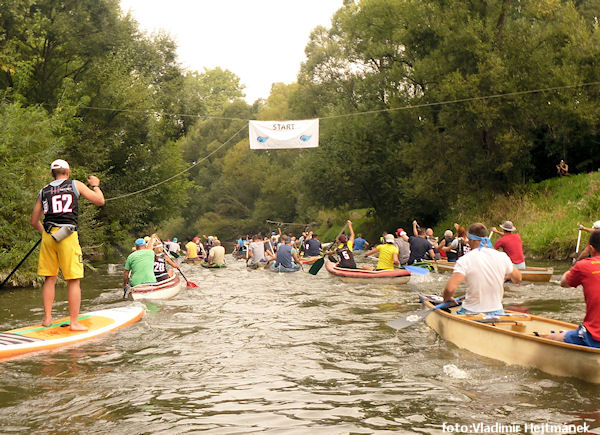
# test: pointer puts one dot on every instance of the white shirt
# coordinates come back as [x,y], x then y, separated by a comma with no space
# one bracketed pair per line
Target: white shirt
[485,271]
[218,255]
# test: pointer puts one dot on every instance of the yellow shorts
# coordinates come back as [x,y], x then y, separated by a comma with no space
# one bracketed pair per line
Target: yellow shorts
[66,254]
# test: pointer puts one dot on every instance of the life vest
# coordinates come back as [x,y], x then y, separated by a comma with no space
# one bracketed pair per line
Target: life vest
[60,204]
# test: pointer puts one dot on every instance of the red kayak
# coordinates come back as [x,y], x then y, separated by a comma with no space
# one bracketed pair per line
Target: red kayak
[389,276]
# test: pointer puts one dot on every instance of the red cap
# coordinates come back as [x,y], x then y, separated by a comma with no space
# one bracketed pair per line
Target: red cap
[399,230]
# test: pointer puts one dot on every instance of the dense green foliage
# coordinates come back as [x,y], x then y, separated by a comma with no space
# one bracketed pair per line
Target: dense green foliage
[386,54]
[413,124]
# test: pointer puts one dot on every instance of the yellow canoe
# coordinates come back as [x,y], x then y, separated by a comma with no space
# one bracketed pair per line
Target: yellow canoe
[511,339]
[530,274]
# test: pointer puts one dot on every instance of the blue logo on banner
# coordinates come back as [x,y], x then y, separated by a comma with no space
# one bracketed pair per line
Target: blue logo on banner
[305,138]
[262,139]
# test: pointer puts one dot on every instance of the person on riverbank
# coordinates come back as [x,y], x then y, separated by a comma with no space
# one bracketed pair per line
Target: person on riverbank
[216,255]
[161,259]
[484,269]
[420,248]
[587,251]
[58,202]
[139,266]
[562,169]
[587,274]
[287,258]
[511,243]
[388,253]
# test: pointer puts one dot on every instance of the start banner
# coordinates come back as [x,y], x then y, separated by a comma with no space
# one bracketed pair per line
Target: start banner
[275,135]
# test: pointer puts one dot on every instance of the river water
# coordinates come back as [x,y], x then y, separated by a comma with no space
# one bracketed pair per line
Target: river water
[257,351]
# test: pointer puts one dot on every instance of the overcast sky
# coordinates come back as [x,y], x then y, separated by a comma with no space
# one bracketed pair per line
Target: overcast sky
[261,41]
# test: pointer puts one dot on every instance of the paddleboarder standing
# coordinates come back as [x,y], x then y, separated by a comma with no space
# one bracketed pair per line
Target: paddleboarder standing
[58,202]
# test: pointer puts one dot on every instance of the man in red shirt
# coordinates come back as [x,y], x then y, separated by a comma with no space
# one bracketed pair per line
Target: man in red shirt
[511,243]
[586,273]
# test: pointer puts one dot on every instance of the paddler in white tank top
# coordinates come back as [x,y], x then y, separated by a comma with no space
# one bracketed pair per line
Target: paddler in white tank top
[484,270]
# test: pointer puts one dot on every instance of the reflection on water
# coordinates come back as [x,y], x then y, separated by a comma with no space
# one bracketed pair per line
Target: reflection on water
[253,351]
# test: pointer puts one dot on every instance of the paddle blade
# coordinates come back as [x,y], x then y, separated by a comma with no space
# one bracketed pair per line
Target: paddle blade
[417,270]
[191,284]
[408,320]
[317,265]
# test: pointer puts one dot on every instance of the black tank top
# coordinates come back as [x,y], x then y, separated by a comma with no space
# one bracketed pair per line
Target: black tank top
[160,267]
[451,254]
[60,204]
[346,258]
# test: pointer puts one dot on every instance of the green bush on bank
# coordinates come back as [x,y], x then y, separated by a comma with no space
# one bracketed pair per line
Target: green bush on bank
[545,214]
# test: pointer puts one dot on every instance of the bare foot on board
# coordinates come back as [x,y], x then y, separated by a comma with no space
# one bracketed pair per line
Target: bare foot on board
[47,322]
[76,326]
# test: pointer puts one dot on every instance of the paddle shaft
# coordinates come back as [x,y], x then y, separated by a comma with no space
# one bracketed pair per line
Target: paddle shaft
[20,262]
[188,283]
[577,248]
[403,322]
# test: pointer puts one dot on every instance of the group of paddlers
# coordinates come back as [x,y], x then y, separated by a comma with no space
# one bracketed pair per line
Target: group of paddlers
[210,252]
[482,267]
[394,250]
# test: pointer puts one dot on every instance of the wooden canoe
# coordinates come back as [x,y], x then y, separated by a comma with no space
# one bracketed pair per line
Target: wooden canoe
[392,276]
[159,290]
[514,342]
[531,274]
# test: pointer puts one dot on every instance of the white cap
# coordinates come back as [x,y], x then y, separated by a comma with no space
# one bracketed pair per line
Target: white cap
[59,164]
[596,225]
[389,238]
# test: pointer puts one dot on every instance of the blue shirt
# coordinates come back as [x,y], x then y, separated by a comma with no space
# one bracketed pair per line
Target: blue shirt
[359,242]
[312,248]
[284,256]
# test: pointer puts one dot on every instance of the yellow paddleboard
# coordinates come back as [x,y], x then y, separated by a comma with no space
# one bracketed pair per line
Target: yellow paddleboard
[37,337]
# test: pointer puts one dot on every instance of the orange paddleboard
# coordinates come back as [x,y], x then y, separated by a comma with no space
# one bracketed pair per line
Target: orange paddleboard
[37,337]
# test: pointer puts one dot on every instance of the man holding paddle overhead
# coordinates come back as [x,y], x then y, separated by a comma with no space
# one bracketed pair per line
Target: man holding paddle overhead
[344,249]
[484,270]
[59,203]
